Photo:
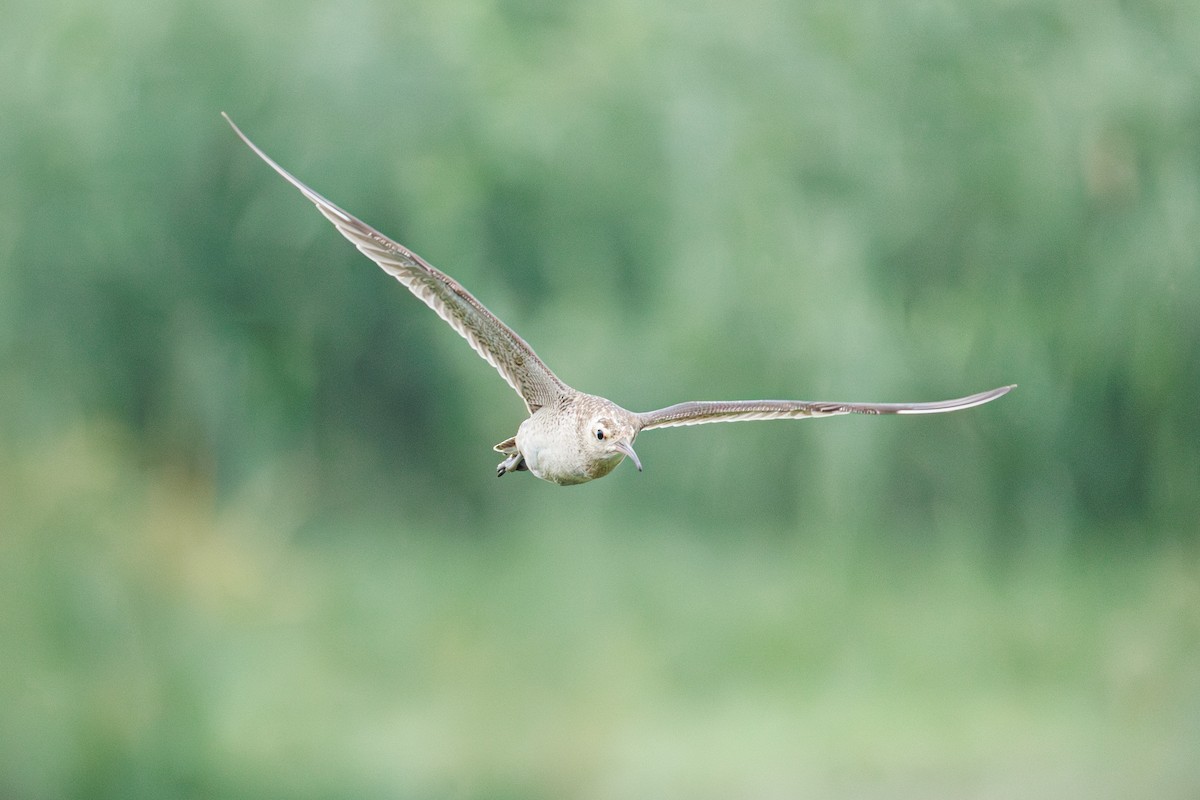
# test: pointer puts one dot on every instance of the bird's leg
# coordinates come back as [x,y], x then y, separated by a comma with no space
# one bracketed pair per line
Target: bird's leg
[513,463]
[515,460]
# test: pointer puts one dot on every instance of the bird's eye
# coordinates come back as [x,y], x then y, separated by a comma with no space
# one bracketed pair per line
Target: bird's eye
[600,434]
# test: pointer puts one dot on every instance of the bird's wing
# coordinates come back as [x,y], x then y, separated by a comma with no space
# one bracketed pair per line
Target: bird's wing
[499,344]
[701,412]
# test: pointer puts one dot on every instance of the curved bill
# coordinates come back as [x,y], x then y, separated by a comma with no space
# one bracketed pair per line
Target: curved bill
[627,449]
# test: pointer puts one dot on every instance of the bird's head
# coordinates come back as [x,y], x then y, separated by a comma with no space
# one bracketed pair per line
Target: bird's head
[607,437]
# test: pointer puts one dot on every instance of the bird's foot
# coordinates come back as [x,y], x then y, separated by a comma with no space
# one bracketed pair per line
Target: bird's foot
[513,463]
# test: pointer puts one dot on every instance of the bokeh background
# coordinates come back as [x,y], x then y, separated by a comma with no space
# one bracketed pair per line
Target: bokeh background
[252,543]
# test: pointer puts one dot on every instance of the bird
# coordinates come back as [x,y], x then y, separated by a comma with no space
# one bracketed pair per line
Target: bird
[569,437]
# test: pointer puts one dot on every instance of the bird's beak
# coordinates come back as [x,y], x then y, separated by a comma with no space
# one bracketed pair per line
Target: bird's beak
[627,449]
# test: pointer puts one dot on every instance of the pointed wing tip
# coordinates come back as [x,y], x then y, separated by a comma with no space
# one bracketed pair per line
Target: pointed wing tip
[233,125]
[257,151]
[961,404]
[1000,391]
[327,207]
[994,394]
[983,397]
[1003,390]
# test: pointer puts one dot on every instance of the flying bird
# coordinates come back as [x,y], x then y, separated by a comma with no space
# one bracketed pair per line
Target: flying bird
[569,437]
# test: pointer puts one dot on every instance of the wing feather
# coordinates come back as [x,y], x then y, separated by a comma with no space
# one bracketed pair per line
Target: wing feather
[497,343]
[700,412]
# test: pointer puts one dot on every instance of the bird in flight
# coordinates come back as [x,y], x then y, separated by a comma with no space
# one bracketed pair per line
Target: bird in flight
[569,437]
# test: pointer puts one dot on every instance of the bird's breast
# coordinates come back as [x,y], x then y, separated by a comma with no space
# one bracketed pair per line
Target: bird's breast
[551,451]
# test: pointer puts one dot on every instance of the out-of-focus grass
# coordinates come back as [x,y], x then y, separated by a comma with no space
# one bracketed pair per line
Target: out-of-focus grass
[157,644]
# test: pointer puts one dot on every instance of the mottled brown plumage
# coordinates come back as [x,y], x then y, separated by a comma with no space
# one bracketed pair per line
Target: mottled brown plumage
[569,437]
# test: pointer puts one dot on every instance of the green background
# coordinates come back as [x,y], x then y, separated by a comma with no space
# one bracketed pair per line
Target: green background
[252,543]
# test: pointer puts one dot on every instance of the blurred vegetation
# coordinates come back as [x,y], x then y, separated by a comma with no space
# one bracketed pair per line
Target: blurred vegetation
[250,539]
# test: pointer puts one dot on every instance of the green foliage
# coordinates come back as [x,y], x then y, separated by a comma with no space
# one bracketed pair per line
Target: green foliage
[251,543]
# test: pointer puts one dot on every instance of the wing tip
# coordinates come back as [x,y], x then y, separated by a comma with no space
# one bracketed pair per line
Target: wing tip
[999,391]
[326,207]
[236,129]
[961,404]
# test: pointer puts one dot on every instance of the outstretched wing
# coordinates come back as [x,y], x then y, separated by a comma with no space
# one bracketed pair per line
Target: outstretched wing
[499,344]
[701,412]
